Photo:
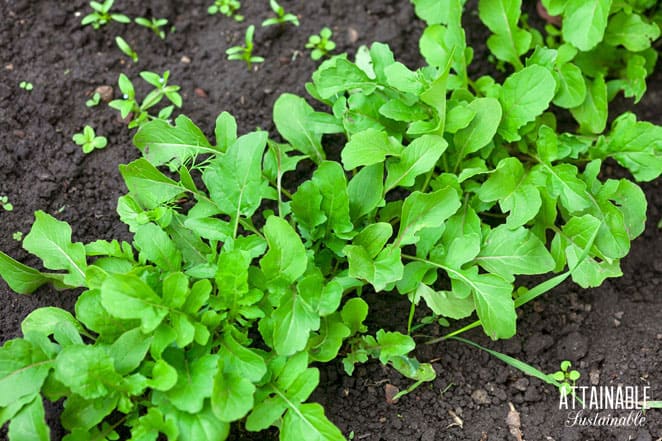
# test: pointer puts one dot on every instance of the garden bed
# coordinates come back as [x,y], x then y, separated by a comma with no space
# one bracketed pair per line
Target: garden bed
[612,334]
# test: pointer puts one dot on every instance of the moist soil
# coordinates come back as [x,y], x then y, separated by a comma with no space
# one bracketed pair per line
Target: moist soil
[612,334]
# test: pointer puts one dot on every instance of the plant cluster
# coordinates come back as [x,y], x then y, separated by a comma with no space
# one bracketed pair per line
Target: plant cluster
[228,8]
[321,44]
[102,15]
[245,53]
[447,190]
[5,204]
[281,17]
[89,141]
[154,24]
[129,106]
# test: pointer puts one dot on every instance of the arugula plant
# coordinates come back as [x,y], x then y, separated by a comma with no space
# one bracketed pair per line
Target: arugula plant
[129,105]
[245,53]
[281,17]
[228,8]
[89,141]
[126,49]
[26,85]
[155,24]
[321,44]
[94,101]
[566,377]
[101,15]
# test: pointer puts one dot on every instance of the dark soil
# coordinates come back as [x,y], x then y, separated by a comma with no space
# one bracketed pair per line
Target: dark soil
[612,334]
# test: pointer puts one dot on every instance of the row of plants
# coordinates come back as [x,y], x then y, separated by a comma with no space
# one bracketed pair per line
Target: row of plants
[238,280]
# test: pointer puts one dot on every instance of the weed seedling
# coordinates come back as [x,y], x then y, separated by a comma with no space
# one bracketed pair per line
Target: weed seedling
[129,105]
[568,378]
[5,204]
[320,44]
[155,24]
[89,141]
[17,236]
[102,15]
[94,101]
[228,8]
[281,17]
[126,49]
[26,85]
[245,52]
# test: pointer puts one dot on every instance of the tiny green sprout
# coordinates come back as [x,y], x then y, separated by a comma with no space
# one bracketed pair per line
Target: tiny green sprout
[155,24]
[94,101]
[26,85]
[17,235]
[245,52]
[281,17]
[126,49]
[89,140]
[321,44]
[228,8]
[5,204]
[568,378]
[102,15]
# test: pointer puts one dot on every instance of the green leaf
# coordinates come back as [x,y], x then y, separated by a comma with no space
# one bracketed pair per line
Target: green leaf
[563,182]
[572,87]
[417,158]
[129,350]
[194,382]
[308,423]
[225,131]
[507,252]
[162,143]
[232,396]
[524,96]
[584,22]
[50,240]
[494,302]
[330,179]
[511,186]
[23,370]
[302,126]
[29,424]
[631,31]
[393,344]
[294,318]
[365,190]
[354,313]
[446,303]
[45,321]
[423,210]
[369,147]
[386,268]
[128,297]
[235,180]
[339,75]
[199,426]
[592,113]
[87,370]
[241,360]
[148,186]
[481,129]
[374,237]
[20,278]
[508,42]
[286,259]
[156,246]
[325,346]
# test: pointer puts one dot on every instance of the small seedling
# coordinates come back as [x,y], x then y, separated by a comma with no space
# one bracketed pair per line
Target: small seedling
[102,15]
[5,204]
[281,17]
[17,235]
[129,105]
[89,141]
[26,85]
[245,52]
[155,24]
[568,378]
[228,8]
[321,44]
[126,49]
[94,101]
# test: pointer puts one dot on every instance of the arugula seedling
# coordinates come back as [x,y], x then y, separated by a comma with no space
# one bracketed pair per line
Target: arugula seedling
[228,8]
[102,15]
[155,24]
[5,204]
[126,49]
[94,101]
[25,85]
[245,52]
[89,141]
[321,44]
[17,236]
[281,17]
[566,377]
[129,105]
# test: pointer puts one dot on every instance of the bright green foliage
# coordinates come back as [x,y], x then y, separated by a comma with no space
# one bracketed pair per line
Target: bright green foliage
[245,53]
[155,24]
[448,190]
[26,85]
[321,44]
[126,49]
[95,100]
[5,204]
[129,105]
[89,141]
[228,8]
[101,15]
[566,377]
[281,17]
